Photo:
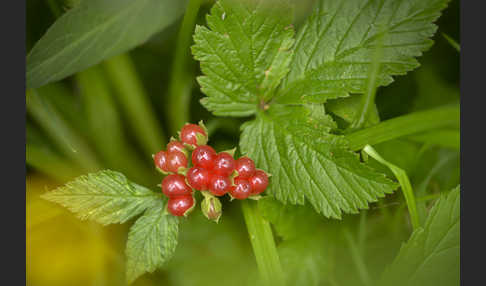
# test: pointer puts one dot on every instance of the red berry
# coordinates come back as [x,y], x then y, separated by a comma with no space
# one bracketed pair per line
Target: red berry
[189,134]
[175,160]
[219,185]
[258,182]
[179,205]
[245,167]
[242,190]
[175,185]
[176,146]
[160,160]
[204,156]
[198,178]
[224,164]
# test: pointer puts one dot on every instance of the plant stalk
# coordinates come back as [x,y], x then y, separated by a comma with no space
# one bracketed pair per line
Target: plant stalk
[135,103]
[106,127]
[263,243]
[357,257]
[368,99]
[180,84]
[405,125]
[66,139]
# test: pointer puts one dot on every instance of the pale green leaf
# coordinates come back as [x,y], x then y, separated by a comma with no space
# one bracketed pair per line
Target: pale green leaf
[308,163]
[432,254]
[152,241]
[105,197]
[334,50]
[95,30]
[244,54]
[287,219]
[348,109]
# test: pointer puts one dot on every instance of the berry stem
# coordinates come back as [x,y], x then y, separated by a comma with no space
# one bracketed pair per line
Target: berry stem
[264,248]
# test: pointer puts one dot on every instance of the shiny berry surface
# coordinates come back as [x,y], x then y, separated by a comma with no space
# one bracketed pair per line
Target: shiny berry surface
[175,160]
[258,182]
[245,167]
[241,190]
[198,178]
[175,185]
[179,205]
[160,161]
[176,146]
[219,185]
[224,164]
[188,133]
[203,156]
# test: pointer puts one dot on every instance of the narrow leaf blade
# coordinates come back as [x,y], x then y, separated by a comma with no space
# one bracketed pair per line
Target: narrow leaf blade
[95,30]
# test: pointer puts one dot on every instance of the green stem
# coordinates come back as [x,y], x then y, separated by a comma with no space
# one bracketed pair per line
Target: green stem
[362,230]
[49,163]
[357,258]
[405,184]
[106,127]
[263,244]
[180,82]
[368,99]
[66,139]
[404,125]
[135,103]
[452,42]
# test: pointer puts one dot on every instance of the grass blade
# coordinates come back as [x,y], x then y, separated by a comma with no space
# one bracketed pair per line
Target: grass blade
[405,184]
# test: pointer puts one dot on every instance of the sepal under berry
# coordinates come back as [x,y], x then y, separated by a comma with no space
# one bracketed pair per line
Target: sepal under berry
[230,151]
[191,208]
[175,144]
[211,207]
[201,139]
[231,197]
[181,205]
[201,123]
[182,171]
[160,161]
[233,175]
[193,135]
[162,171]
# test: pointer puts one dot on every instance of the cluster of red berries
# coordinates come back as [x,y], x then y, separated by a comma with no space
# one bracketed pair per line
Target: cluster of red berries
[215,174]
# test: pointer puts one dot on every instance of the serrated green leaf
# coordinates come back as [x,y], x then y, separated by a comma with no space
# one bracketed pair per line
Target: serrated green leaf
[95,30]
[308,163]
[244,54]
[431,256]
[152,241]
[105,197]
[334,49]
